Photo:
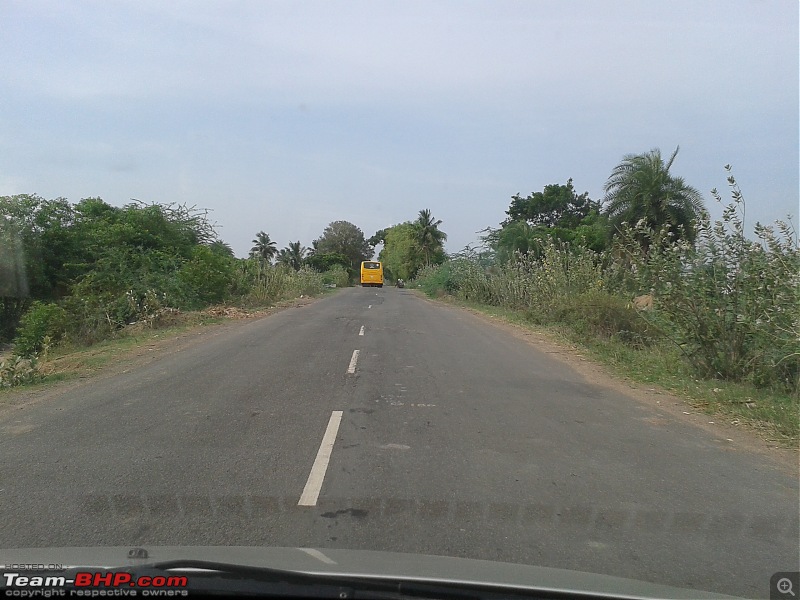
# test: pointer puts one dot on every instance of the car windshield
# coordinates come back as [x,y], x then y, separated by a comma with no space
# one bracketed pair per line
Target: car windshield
[507,281]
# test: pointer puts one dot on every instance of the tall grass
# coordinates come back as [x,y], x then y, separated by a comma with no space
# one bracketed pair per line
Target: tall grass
[729,304]
[259,283]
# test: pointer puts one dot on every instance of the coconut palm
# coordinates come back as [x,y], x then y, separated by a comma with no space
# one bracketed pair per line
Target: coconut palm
[293,255]
[264,247]
[429,236]
[223,248]
[516,237]
[641,189]
[282,258]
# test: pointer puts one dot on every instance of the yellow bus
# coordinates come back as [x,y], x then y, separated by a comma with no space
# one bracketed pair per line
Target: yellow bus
[371,273]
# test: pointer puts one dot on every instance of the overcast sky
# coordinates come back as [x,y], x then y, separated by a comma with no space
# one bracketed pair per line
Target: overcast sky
[284,116]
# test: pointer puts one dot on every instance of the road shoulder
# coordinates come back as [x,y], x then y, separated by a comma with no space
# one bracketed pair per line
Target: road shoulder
[662,402]
[120,356]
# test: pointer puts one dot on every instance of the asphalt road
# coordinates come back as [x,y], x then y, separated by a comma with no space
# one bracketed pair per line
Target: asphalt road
[453,438]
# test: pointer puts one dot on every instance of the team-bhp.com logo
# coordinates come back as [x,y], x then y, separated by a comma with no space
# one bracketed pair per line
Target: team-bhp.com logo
[93,584]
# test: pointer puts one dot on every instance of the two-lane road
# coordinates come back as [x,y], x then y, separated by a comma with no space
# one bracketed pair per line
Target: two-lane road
[445,435]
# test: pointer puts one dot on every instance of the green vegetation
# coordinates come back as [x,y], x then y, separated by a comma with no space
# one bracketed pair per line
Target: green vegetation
[68,360]
[293,255]
[263,247]
[673,299]
[336,276]
[342,238]
[19,371]
[429,238]
[557,212]
[44,323]
[264,284]
[412,245]
[401,254]
[79,274]
[642,190]
[329,261]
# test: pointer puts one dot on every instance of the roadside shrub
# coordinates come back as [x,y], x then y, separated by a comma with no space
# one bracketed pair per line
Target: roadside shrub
[264,284]
[563,273]
[207,277]
[468,280]
[126,285]
[150,309]
[337,275]
[94,317]
[43,323]
[732,304]
[601,314]
[18,371]
[306,282]
[439,280]
[527,282]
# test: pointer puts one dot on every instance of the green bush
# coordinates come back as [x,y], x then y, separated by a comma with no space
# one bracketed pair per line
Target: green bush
[18,371]
[601,314]
[44,322]
[435,280]
[305,282]
[262,284]
[731,303]
[207,278]
[524,283]
[337,276]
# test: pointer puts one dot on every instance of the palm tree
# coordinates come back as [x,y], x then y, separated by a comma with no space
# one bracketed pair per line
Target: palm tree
[641,188]
[223,248]
[517,237]
[293,255]
[264,247]
[429,237]
[283,258]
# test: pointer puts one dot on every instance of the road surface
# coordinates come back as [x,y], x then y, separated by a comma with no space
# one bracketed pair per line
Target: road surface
[375,419]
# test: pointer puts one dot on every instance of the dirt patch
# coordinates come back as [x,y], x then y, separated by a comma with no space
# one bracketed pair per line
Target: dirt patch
[725,429]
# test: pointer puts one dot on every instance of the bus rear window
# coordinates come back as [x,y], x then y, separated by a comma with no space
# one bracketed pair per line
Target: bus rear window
[372,265]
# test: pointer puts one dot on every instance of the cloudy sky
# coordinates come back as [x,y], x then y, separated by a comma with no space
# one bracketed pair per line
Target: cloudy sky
[284,116]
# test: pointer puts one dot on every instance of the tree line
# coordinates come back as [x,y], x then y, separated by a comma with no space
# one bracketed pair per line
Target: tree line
[722,302]
[406,248]
[641,190]
[87,270]
[411,245]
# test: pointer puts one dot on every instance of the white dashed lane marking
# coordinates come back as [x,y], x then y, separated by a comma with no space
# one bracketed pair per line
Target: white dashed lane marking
[353,361]
[317,475]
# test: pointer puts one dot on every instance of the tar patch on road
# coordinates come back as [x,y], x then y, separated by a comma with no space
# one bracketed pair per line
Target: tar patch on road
[353,512]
